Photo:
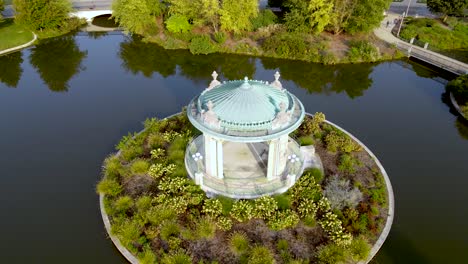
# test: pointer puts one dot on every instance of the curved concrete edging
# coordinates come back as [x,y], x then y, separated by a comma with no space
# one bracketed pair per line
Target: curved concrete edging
[391,199]
[456,106]
[20,46]
[375,248]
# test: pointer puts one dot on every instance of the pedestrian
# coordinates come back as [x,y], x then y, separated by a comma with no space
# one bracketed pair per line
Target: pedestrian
[388,23]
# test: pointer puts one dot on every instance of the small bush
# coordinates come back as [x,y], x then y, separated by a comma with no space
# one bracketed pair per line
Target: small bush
[331,254]
[212,207]
[178,24]
[261,255]
[109,187]
[143,204]
[359,249]
[179,257]
[242,210]
[202,44]
[264,207]
[265,18]
[309,220]
[315,173]
[147,257]
[283,201]
[459,88]
[306,140]
[123,204]
[283,219]
[112,167]
[239,243]
[139,166]
[220,37]
[169,229]
[285,45]
[339,193]
[363,51]
[157,215]
[205,228]
[348,163]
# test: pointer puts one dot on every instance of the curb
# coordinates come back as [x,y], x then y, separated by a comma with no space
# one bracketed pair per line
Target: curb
[20,46]
[456,106]
[375,248]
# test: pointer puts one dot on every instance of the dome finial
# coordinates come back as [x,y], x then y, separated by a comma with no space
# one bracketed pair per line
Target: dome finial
[214,82]
[246,79]
[276,83]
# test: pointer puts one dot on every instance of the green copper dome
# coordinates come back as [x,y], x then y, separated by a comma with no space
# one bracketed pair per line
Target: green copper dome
[246,110]
[246,103]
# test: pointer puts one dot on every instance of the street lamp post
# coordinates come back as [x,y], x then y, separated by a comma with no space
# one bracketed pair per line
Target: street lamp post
[403,17]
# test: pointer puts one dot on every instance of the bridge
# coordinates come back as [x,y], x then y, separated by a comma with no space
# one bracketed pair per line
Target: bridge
[384,32]
[90,9]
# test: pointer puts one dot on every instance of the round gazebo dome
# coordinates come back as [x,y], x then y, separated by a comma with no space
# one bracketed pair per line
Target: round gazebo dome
[246,110]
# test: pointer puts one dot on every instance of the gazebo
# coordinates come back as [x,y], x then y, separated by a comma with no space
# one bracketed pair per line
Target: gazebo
[245,150]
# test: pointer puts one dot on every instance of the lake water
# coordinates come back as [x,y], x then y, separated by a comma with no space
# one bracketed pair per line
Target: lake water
[65,103]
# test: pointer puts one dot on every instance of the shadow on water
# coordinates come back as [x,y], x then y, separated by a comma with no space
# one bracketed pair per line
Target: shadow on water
[460,123]
[148,58]
[10,68]
[57,70]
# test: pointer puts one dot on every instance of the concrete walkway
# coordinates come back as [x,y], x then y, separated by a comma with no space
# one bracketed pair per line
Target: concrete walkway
[385,33]
[2,52]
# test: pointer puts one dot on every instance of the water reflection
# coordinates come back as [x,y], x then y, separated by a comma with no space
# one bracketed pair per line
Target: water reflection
[57,60]
[97,34]
[148,58]
[317,78]
[10,68]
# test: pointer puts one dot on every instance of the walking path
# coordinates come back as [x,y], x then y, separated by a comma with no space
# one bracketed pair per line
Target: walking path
[384,32]
[2,52]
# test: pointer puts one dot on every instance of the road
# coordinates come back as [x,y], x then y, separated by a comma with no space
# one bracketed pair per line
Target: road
[415,8]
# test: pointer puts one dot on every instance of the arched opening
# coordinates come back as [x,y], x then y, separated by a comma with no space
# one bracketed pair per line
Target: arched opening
[105,21]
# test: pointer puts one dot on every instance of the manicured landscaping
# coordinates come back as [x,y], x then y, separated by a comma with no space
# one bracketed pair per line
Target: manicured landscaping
[450,39]
[12,35]
[160,215]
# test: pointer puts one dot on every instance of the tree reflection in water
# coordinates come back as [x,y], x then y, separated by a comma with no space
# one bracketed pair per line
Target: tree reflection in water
[10,68]
[57,60]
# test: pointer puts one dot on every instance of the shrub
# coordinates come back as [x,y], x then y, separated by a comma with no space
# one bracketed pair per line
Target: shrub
[363,51]
[242,210]
[212,207]
[127,231]
[264,207]
[331,254]
[220,37]
[459,88]
[143,204]
[139,166]
[285,45]
[168,229]
[123,204]
[180,257]
[109,187]
[147,257]
[283,219]
[205,228]
[339,193]
[329,58]
[359,249]
[158,214]
[337,140]
[309,220]
[112,167]
[265,18]
[348,163]
[202,44]
[306,140]
[178,24]
[283,201]
[224,223]
[260,255]
[239,242]
[315,173]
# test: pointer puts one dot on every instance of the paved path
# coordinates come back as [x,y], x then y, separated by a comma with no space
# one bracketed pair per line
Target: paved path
[383,32]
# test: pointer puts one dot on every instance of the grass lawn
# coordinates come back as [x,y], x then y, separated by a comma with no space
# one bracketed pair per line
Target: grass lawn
[12,35]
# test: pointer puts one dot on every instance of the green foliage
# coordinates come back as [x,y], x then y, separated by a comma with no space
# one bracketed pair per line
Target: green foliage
[128,231]
[340,194]
[202,44]
[205,228]
[242,210]
[367,15]
[224,223]
[139,166]
[2,7]
[158,214]
[308,15]
[147,257]
[112,167]
[143,204]
[220,37]
[359,249]
[264,19]
[109,187]
[178,24]
[261,255]
[213,207]
[363,51]
[331,254]
[236,15]
[309,221]
[306,140]
[123,204]
[283,201]
[348,163]
[311,126]
[239,242]
[264,207]
[448,7]
[337,140]
[459,88]
[179,257]
[315,173]
[286,45]
[135,16]
[227,204]
[42,14]
[169,229]
[283,219]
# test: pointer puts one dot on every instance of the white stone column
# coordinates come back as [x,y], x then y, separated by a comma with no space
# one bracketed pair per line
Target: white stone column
[210,156]
[282,153]
[219,159]
[272,157]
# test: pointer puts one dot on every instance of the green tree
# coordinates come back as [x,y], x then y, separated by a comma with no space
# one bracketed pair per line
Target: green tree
[236,15]
[448,7]
[42,14]
[2,7]
[308,15]
[199,12]
[10,68]
[135,16]
[56,68]
[367,15]
[178,23]
[342,11]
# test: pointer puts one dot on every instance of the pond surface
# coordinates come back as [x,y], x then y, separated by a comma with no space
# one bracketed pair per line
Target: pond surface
[65,103]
